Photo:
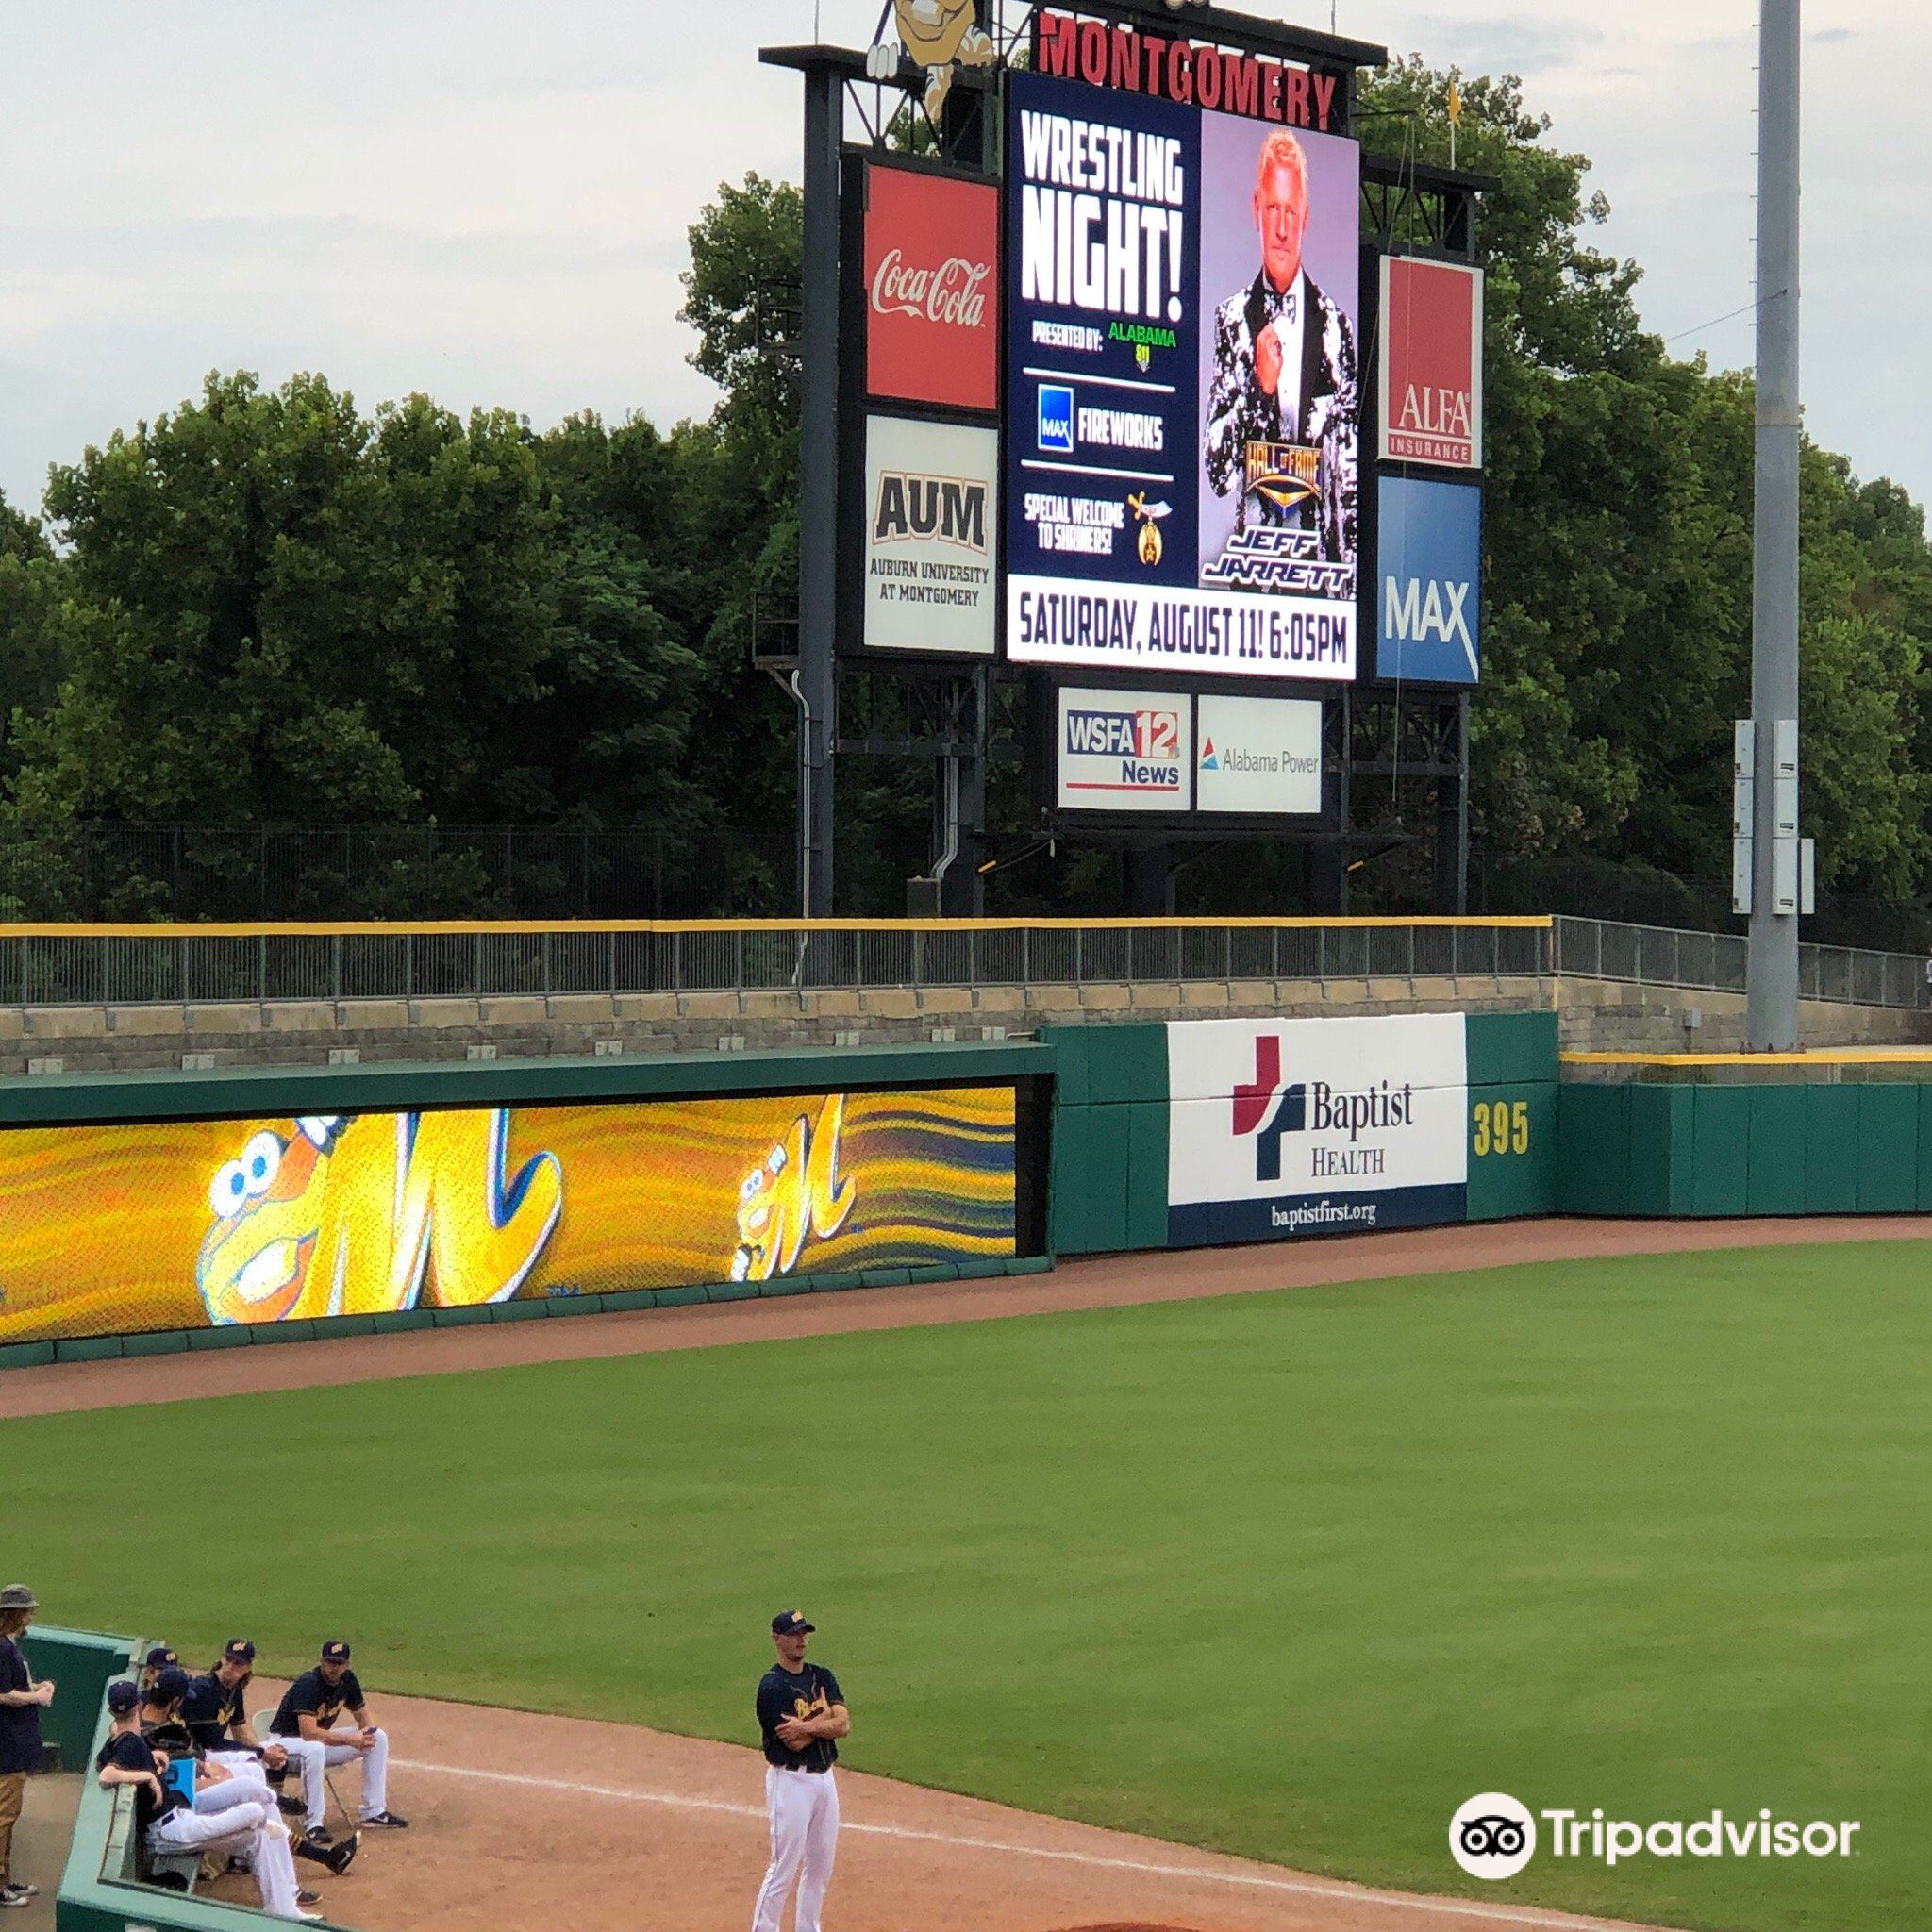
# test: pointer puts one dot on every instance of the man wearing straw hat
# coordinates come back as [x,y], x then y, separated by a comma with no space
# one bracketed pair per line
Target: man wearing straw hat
[21,1703]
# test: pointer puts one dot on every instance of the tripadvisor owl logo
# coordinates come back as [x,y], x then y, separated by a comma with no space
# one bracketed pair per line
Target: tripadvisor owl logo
[1492,1836]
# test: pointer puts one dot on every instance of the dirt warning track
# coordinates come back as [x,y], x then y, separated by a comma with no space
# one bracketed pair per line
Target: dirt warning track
[522,1820]
[1111,1281]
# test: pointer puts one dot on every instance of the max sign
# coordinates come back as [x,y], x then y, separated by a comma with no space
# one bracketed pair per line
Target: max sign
[931,289]
[1432,363]
[1428,581]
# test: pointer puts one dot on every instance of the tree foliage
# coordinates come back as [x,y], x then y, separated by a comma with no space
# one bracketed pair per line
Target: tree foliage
[269,605]
[1617,570]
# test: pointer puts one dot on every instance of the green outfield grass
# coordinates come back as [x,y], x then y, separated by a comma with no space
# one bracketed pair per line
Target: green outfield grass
[1287,1575]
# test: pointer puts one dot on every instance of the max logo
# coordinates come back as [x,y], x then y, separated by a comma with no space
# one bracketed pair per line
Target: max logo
[1422,609]
[1259,1112]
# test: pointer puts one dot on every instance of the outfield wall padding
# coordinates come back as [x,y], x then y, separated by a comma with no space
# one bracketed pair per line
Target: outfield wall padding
[81,1663]
[1794,1148]
[1114,1115]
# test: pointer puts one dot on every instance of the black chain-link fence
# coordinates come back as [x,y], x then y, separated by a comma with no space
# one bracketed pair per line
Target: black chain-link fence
[242,874]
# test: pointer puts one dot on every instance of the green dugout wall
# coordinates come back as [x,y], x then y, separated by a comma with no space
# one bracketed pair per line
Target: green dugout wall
[1112,1110]
[99,1890]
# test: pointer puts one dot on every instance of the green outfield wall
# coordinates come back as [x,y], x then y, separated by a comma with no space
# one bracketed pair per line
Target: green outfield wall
[1792,1147]
[1490,1082]
[148,1214]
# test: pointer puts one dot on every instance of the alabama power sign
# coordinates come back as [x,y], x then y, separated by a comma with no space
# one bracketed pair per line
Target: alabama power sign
[1285,1127]
[932,328]
[1432,363]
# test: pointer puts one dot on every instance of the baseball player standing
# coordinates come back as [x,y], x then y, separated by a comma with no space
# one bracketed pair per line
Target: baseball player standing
[800,1711]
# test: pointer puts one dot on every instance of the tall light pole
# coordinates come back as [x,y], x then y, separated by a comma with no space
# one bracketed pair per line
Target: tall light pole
[1771,1015]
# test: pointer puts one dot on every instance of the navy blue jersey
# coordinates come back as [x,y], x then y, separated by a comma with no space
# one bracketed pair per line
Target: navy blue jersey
[20,1724]
[312,1694]
[211,1709]
[130,1751]
[810,1693]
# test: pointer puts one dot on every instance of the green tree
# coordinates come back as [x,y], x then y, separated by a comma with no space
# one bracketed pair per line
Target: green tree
[1617,577]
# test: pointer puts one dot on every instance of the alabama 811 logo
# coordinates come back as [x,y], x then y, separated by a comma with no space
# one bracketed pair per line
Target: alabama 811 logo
[1492,1836]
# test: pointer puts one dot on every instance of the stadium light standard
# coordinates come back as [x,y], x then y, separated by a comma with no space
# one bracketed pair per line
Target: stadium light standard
[1771,981]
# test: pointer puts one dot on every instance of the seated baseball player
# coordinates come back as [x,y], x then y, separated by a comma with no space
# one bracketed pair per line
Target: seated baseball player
[304,1726]
[159,1660]
[166,1821]
[219,1787]
[216,1714]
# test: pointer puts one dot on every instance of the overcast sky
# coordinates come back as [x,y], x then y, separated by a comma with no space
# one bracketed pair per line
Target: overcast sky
[488,200]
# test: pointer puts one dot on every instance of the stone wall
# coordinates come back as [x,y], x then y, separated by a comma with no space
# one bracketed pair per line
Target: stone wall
[1595,1014]
[1608,1016]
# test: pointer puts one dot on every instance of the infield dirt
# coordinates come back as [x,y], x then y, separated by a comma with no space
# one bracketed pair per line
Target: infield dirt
[517,1819]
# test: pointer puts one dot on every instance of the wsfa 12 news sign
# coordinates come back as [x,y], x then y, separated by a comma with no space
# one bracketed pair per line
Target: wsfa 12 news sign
[1182,389]
[1122,750]
[1278,1128]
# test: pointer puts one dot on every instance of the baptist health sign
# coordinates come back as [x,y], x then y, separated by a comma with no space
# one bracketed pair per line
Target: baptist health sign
[1286,1127]
[1428,580]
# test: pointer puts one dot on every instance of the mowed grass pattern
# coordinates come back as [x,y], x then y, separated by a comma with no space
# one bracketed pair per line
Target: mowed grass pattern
[1287,1575]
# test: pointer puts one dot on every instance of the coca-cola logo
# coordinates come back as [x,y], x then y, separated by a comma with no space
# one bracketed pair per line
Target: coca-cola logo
[954,292]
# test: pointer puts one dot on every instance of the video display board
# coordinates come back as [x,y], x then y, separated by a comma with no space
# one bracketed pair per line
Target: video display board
[111,1229]
[1182,388]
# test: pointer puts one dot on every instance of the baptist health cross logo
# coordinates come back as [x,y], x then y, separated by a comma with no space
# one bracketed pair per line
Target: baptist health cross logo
[1255,1102]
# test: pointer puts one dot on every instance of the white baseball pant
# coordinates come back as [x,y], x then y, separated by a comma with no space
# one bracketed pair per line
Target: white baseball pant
[244,1775]
[803,1809]
[248,1830]
[312,1759]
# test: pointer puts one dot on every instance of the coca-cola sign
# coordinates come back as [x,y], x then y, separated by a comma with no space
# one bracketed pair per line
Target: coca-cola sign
[955,292]
[932,282]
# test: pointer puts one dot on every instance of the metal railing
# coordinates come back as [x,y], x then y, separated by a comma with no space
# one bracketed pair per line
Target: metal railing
[192,965]
[1715,962]
[196,965]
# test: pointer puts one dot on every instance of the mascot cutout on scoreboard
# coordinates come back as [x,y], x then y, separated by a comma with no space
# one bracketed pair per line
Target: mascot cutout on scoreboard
[797,1192]
[365,1215]
[935,35]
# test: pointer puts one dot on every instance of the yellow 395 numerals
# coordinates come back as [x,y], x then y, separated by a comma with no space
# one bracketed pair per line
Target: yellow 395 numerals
[1502,1127]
